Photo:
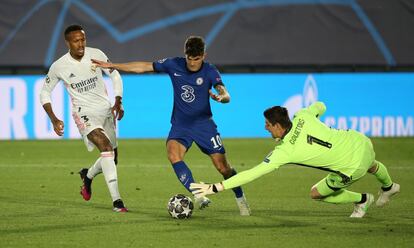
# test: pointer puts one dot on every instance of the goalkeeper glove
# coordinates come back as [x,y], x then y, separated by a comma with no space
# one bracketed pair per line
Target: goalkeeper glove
[202,189]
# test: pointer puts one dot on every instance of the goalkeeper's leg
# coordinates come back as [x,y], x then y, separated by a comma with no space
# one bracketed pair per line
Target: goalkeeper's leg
[388,188]
[331,190]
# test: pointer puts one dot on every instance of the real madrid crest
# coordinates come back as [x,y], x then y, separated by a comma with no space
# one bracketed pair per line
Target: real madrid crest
[93,68]
[199,81]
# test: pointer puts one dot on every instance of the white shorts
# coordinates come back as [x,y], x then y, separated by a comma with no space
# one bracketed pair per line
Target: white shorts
[88,120]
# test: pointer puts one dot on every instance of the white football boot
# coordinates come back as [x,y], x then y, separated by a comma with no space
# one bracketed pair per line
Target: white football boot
[243,206]
[360,209]
[202,202]
[384,196]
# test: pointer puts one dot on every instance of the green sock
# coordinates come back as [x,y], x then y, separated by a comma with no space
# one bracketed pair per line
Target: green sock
[343,196]
[382,175]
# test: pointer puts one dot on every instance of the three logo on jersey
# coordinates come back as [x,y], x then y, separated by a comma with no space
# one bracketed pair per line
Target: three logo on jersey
[188,94]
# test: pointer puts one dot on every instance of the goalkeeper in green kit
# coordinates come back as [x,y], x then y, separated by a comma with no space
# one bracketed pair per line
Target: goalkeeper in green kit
[346,154]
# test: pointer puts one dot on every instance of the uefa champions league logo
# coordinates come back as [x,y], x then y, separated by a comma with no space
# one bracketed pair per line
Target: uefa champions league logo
[309,96]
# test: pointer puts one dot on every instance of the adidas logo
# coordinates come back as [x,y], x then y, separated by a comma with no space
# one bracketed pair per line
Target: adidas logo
[72,75]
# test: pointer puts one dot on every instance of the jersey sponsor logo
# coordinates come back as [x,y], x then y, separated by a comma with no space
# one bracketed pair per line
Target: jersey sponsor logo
[297,131]
[199,81]
[176,74]
[85,85]
[188,94]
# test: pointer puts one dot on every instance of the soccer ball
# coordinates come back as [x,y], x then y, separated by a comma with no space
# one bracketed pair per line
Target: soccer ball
[180,206]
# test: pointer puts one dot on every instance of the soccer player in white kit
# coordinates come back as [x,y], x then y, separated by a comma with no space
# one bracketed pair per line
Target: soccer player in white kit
[91,108]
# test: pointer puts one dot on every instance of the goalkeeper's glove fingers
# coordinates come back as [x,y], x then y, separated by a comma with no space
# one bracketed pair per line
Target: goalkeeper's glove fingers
[203,189]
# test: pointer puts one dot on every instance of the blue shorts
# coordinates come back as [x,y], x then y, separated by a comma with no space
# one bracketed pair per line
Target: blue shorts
[205,135]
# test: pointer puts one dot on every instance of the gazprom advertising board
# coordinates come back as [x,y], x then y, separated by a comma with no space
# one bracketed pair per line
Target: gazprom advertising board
[376,104]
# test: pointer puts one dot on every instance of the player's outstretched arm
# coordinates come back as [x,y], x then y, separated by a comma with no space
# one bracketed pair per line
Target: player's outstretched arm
[135,67]
[202,189]
[223,96]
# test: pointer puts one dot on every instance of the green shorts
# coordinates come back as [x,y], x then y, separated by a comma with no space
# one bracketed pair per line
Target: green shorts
[336,181]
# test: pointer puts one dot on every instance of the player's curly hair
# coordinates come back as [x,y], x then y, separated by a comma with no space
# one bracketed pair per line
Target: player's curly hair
[194,46]
[71,28]
[278,114]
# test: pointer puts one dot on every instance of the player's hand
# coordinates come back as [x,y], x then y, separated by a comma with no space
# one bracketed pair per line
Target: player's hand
[223,98]
[203,189]
[118,109]
[215,97]
[101,63]
[58,126]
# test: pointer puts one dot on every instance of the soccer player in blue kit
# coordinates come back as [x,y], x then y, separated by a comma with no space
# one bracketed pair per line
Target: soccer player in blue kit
[191,118]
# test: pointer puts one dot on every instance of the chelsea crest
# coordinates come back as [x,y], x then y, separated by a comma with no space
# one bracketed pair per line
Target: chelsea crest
[199,81]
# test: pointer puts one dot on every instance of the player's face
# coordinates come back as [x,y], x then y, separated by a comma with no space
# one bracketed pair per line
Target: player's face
[275,130]
[194,63]
[76,42]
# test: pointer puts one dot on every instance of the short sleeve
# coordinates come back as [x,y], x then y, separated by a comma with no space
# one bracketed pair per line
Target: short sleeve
[49,84]
[215,76]
[162,65]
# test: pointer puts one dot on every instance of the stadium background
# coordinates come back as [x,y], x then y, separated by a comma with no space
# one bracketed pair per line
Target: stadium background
[354,55]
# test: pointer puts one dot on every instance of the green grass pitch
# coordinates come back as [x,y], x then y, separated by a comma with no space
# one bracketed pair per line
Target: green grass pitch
[41,206]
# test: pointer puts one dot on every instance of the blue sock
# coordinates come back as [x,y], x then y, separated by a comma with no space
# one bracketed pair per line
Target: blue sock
[238,190]
[183,174]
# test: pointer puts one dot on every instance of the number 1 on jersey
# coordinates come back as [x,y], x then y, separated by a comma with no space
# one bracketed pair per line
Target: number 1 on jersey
[311,139]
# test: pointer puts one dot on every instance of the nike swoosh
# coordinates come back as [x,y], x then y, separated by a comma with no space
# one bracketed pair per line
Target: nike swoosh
[177,75]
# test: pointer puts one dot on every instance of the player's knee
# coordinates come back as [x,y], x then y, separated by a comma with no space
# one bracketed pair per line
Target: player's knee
[373,168]
[314,194]
[226,172]
[173,158]
[105,145]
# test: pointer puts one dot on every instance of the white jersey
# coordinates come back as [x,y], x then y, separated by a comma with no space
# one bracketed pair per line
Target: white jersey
[83,81]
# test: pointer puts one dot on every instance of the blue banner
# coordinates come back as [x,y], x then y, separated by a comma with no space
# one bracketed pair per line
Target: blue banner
[376,104]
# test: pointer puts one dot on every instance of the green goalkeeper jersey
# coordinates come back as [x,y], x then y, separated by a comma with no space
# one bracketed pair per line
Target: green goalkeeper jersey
[310,143]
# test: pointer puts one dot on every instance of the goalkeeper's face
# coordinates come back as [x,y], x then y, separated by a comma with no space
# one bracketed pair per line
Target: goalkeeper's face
[76,42]
[275,130]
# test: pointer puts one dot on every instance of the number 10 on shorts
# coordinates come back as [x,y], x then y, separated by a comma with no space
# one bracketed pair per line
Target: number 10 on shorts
[216,141]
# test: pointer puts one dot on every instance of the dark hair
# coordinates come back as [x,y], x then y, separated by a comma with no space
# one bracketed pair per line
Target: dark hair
[72,28]
[194,46]
[277,114]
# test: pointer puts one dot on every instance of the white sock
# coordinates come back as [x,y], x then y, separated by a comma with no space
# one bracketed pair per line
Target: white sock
[95,169]
[109,171]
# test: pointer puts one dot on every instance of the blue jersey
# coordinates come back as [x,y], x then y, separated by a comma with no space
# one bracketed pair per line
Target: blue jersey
[191,97]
